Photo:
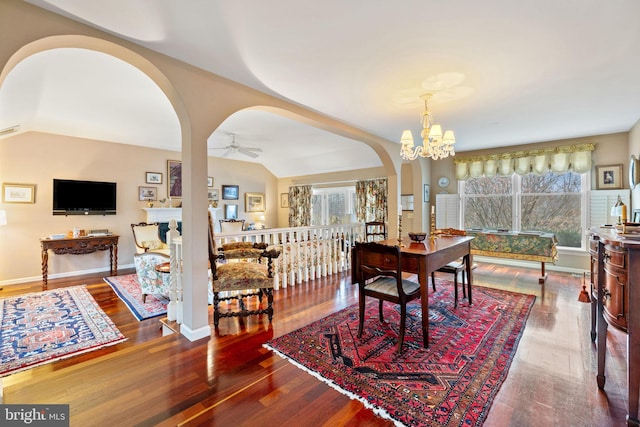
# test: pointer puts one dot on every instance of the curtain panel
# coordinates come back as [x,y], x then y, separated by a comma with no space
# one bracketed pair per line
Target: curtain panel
[371,200]
[574,158]
[300,206]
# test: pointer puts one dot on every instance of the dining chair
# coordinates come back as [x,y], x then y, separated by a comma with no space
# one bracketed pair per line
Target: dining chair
[379,275]
[455,267]
[374,231]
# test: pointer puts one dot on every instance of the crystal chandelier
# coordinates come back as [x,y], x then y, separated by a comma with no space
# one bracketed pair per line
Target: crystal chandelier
[435,144]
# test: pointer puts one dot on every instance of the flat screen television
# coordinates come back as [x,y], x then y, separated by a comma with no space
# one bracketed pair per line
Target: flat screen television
[71,197]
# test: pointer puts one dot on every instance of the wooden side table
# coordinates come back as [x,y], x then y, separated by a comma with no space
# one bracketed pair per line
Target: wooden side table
[79,246]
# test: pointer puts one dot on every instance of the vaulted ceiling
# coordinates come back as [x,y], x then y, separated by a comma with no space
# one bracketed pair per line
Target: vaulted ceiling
[503,72]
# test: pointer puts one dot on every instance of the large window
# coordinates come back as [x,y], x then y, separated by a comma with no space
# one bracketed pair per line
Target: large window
[333,205]
[551,202]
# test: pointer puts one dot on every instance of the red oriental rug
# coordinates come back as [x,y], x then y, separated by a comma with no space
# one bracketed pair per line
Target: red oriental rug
[43,327]
[452,383]
[129,291]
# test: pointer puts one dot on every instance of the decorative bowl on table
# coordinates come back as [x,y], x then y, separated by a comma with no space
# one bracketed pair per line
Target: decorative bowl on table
[417,237]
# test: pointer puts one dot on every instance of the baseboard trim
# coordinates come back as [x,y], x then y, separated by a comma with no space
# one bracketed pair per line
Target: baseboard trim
[21,280]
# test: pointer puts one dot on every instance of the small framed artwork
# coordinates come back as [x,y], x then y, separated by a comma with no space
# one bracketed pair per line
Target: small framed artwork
[406,201]
[174,178]
[210,181]
[284,200]
[18,193]
[230,211]
[147,193]
[636,215]
[608,177]
[213,194]
[254,202]
[153,178]
[426,193]
[230,192]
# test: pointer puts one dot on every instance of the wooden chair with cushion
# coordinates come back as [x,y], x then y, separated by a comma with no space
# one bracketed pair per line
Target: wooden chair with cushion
[147,238]
[379,275]
[454,267]
[375,231]
[249,275]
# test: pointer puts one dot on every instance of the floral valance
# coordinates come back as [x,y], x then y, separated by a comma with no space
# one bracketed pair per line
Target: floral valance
[575,158]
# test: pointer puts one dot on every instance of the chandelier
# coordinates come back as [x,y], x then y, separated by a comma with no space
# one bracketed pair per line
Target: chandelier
[435,144]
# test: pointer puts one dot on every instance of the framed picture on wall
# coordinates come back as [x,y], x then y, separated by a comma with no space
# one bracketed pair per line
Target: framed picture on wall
[608,177]
[174,180]
[426,193]
[153,178]
[147,193]
[210,181]
[254,202]
[230,192]
[18,193]
[230,211]
[284,200]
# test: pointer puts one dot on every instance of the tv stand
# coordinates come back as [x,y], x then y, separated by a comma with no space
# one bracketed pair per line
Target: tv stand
[79,246]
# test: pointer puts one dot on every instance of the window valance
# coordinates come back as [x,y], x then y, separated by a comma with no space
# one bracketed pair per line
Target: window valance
[574,158]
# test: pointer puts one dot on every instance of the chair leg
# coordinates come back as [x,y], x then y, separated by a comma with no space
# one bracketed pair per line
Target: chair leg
[144,298]
[433,282]
[269,293]
[403,318]
[216,312]
[455,289]
[380,312]
[361,311]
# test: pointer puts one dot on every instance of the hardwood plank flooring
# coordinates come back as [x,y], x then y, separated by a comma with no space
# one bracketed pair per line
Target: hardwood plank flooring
[231,380]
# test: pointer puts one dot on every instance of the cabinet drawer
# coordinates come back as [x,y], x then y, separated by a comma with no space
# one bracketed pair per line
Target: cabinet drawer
[615,256]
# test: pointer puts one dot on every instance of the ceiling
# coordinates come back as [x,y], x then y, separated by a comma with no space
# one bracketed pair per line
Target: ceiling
[503,72]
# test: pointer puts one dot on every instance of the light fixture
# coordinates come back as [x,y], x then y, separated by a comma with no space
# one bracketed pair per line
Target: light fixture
[619,210]
[435,144]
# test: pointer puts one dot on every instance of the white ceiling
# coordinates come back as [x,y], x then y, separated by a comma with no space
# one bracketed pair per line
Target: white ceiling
[522,71]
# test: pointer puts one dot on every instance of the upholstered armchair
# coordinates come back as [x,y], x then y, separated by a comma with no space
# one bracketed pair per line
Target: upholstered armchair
[238,271]
[152,281]
[147,238]
[231,225]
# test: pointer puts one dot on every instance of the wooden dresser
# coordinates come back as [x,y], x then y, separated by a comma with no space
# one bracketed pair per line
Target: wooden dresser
[615,286]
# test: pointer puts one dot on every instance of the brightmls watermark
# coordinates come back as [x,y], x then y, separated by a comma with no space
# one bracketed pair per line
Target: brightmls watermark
[34,415]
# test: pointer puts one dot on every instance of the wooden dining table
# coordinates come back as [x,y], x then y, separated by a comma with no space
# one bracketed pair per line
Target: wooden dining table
[423,258]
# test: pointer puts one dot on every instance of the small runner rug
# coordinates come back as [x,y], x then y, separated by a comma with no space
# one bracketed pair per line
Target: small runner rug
[452,383]
[129,291]
[43,327]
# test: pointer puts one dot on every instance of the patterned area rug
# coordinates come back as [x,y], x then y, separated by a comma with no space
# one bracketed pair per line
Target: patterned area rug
[46,326]
[452,383]
[129,291]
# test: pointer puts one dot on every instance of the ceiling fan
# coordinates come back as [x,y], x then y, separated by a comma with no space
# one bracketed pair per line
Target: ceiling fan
[234,147]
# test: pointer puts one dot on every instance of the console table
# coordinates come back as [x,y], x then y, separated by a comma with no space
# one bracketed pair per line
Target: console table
[79,246]
[527,246]
[616,264]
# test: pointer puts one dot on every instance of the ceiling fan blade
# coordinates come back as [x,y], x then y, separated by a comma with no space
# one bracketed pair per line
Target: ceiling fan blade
[248,152]
[226,153]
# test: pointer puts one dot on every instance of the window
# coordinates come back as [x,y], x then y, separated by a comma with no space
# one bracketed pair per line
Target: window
[333,205]
[552,202]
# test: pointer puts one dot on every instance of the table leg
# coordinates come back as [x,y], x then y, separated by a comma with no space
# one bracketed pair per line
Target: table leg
[45,268]
[113,259]
[543,274]
[469,267]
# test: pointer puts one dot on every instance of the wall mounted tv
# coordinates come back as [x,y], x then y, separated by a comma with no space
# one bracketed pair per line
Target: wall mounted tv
[71,197]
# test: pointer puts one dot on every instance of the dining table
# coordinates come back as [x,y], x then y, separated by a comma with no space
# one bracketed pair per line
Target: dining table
[423,258]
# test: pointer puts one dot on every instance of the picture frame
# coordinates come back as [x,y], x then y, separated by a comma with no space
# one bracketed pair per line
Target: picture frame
[147,194]
[18,193]
[213,194]
[174,178]
[254,202]
[231,211]
[426,193]
[406,201]
[608,177]
[284,200]
[230,192]
[210,182]
[153,178]
[636,216]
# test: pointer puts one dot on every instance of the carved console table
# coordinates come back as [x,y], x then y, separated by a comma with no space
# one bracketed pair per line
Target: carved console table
[79,246]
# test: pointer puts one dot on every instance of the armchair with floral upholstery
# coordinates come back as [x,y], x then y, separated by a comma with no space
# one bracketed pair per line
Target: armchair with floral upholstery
[147,238]
[237,272]
[151,281]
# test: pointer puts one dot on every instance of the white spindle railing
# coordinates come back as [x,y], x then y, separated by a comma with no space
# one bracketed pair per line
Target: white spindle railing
[306,253]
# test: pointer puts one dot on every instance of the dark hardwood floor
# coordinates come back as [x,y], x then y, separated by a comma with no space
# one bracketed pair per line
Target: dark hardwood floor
[231,380]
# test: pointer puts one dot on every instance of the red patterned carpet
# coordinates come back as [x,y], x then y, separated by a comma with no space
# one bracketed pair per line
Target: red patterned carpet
[43,327]
[452,383]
